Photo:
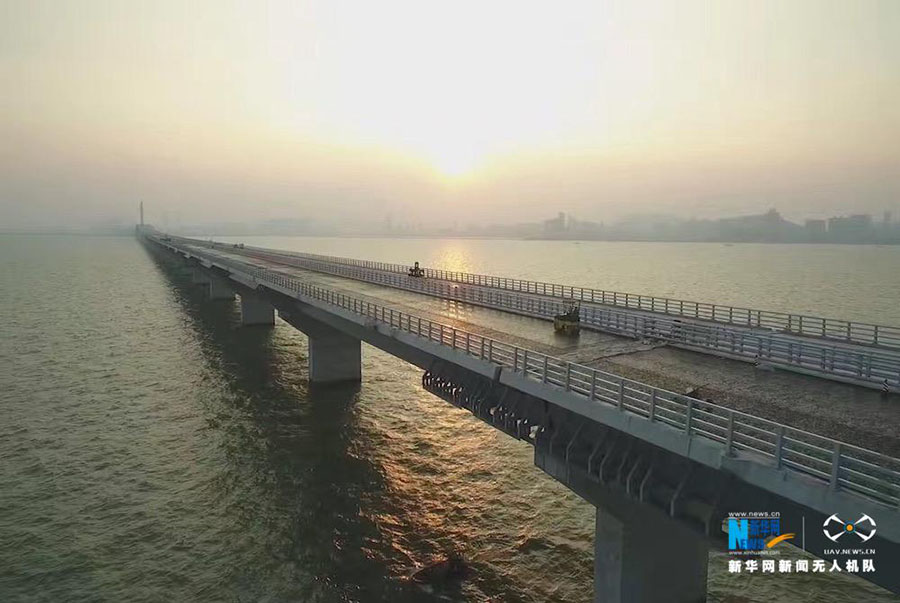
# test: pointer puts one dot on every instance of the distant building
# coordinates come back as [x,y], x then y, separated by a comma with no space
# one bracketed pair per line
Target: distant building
[555,226]
[816,226]
[857,227]
[767,227]
[816,230]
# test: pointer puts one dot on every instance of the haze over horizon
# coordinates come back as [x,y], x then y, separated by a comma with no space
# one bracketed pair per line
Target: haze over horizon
[465,111]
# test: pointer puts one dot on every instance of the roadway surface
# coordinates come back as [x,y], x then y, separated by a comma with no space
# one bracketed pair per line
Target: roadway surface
[851,413]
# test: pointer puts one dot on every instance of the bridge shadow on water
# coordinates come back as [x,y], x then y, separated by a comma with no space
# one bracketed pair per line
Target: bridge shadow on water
[289,471]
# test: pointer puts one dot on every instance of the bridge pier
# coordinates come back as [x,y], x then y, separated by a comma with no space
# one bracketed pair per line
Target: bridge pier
[219,289]
[198,276]
[255,310]
[216,287]
[334,356]
[642,558]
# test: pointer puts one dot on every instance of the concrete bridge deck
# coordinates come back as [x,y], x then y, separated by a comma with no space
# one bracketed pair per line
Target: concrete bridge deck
[847,412]
[881,336]
[860,354]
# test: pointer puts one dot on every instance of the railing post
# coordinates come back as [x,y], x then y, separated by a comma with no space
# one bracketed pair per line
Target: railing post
[490,350]
[729,437]
[525,363]
[621,394]
[568,375]
[688,416]
[652,405]
[593,394]
[453,339]
[544,376]
[515,359]
[441,334]
[836,466]
[779,447]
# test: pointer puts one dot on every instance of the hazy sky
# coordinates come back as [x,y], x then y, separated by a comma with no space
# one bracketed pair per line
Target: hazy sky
[456,110]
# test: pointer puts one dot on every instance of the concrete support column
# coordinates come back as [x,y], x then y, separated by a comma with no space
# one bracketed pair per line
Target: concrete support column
[255,310]
[333,356]
[198,276]
[220,289]
[216,287]
[181,265]
[645,558]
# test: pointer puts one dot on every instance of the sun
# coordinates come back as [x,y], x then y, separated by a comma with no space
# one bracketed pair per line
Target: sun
[454,163]
[454,151]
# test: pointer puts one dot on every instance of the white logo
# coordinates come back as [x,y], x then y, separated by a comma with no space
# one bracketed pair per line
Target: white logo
[833,532]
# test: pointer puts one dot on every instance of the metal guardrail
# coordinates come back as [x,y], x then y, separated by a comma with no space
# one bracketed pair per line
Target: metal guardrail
[800,324]
[876,368]
[839,465]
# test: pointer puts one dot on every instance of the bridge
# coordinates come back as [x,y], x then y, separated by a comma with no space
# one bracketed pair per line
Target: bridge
[662,468]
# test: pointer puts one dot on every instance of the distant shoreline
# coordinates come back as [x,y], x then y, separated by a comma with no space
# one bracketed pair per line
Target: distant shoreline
[569,240]
[44,233]
[453,236]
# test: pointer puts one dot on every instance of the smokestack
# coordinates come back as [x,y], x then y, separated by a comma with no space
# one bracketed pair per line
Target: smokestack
[142,213]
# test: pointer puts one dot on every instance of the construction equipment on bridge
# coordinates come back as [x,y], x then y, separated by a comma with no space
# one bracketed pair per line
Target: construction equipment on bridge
[568,323]
[416,271]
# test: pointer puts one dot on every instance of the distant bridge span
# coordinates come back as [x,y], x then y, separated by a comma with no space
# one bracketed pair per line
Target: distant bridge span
[858,353]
